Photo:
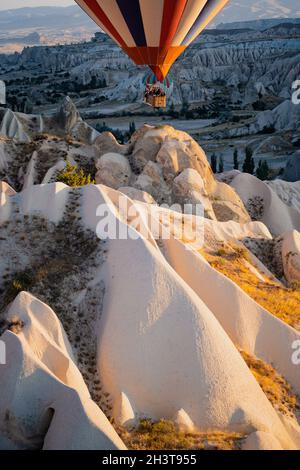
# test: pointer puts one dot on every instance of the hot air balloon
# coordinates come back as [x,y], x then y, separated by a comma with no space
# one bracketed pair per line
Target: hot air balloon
[153,32]
[156,93]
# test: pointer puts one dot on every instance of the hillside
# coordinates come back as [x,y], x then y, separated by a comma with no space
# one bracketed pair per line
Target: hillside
[55,18]
[230,90]
[167,327]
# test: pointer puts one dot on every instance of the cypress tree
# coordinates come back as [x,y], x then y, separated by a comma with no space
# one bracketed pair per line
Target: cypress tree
[262,171]
[236,163]
[221,165]
[213,163]
[249,165]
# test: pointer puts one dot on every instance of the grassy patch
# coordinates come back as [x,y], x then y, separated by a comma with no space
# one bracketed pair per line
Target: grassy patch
[21,282]
[164,435]
[276,388]
[74,176]
[282,302]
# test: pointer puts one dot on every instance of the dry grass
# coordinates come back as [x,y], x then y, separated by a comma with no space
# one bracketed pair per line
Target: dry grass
[282,302]
[276,388]
[164,435]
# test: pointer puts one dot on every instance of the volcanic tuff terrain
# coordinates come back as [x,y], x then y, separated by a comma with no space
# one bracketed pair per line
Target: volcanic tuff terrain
[193,336]
[231,89]
[194,333]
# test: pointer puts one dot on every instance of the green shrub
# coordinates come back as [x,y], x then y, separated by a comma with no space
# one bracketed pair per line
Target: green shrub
[74,176]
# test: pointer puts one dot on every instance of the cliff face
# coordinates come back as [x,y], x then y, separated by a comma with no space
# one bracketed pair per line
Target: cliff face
[230,85]
[249,67]
[248,12]
[243,63]
[150,324]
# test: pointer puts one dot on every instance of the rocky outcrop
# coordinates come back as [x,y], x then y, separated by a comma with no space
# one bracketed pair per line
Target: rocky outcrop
[227,205]
[113,170]
[160,161]
[261,441]
[189,188]
[137,195]
[162,298]
[43,394]
[226,59]
[176,155]
[19,126]
[274,143]
[6,189]
[151,181]
[173,168]
[291,256]
[288,192]
[262,203]
[285,117]
[106,142]
[67,116]
[292,169]
[227,176]
[66,121]
[145,305]
[138,326]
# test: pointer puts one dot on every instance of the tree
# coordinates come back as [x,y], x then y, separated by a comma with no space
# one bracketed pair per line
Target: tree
[93,82]
[172,111]
[184,108]
[119,135]
[236,163]
[74,177]
[13,102]
[221,165]
[132,128]
[27,106]
[262,171]
[213,163]
[249,165]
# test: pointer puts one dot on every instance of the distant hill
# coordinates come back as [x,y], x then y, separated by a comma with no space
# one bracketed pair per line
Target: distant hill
[30,39]
[248,10]
[235,15]
[259,25]
[45,18]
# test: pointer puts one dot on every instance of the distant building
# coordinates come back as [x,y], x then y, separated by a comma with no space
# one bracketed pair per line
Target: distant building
[2,93]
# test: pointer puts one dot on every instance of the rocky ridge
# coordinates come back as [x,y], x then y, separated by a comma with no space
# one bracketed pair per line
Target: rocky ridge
[118,329]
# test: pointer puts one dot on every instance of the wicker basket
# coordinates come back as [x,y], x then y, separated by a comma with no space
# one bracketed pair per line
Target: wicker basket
[157,101]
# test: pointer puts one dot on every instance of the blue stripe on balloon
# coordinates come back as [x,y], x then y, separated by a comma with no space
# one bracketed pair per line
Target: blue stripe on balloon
[131,12]
[196,25]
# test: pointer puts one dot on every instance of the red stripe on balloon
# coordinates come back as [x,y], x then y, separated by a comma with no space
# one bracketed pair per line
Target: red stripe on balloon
[97,10]
[173,11]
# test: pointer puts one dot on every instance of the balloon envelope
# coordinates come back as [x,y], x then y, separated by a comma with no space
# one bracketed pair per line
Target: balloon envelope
[153,32]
